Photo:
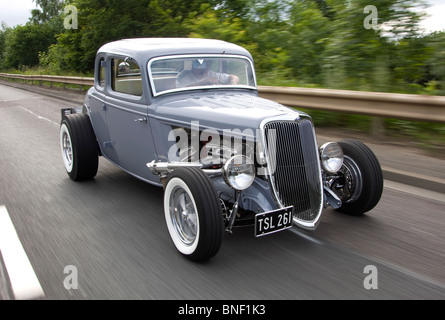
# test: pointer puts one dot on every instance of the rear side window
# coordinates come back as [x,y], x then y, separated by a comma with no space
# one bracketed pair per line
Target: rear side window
[126,76]
[101,74]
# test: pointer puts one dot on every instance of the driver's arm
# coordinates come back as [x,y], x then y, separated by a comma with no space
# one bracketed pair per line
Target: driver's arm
[233,79]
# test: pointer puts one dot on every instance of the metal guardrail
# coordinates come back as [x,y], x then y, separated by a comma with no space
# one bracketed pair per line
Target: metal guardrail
[80,81]
[376,104]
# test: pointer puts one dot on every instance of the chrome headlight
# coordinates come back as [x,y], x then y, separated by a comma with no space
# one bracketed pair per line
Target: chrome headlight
[331,155]
[239,172]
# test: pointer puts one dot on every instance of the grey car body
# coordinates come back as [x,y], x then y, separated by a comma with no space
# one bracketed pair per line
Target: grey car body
[137,115]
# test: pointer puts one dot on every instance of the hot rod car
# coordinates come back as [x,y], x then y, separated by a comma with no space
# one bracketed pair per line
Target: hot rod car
[184,114]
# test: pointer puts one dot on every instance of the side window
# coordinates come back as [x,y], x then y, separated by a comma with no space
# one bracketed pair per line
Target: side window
[101,74]
[126,76]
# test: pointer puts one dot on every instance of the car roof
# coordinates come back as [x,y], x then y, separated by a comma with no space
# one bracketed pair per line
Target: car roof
[143,49]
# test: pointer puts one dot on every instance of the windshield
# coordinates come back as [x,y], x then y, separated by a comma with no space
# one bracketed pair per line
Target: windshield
[179,73]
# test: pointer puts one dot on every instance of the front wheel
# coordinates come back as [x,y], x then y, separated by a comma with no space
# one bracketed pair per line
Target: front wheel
[360,182]
[193,214]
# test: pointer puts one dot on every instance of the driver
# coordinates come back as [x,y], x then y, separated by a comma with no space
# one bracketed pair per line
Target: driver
[201,75]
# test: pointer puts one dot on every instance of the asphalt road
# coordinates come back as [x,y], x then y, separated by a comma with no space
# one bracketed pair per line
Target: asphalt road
[111,231]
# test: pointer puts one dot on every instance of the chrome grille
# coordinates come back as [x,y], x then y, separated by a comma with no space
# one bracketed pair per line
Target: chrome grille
[294,168]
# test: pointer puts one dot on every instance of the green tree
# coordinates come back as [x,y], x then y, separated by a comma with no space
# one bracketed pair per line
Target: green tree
[310,32]
[23,44]
[3,34]
[409,60]
[355,56]
[233,8]
[259,26]
[306,42]
[269,29]
[435,62]
[104,21]
[209,25]
[49,10]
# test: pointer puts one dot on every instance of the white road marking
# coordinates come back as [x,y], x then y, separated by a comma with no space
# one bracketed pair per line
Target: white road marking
[38,116]
[22,277]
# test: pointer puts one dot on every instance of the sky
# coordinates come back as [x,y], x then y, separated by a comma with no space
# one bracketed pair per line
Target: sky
[15,12]
[436,12]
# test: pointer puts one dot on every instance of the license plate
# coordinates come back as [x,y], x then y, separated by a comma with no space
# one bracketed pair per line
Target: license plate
[273,221]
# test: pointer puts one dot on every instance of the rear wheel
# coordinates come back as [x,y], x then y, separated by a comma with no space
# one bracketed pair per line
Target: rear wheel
[79,147]
[360,185]
[193,214]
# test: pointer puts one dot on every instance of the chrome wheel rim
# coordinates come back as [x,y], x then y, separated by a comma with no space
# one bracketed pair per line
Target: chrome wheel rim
[67,148]
[183,216]
[349,187]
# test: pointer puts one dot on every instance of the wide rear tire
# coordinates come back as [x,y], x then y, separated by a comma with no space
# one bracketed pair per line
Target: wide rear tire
[79,147]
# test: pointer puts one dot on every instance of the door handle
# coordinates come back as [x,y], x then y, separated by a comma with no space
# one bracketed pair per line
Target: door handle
[141,120]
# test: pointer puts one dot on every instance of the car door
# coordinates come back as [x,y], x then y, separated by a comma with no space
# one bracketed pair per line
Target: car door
[131,144]
[95,102]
